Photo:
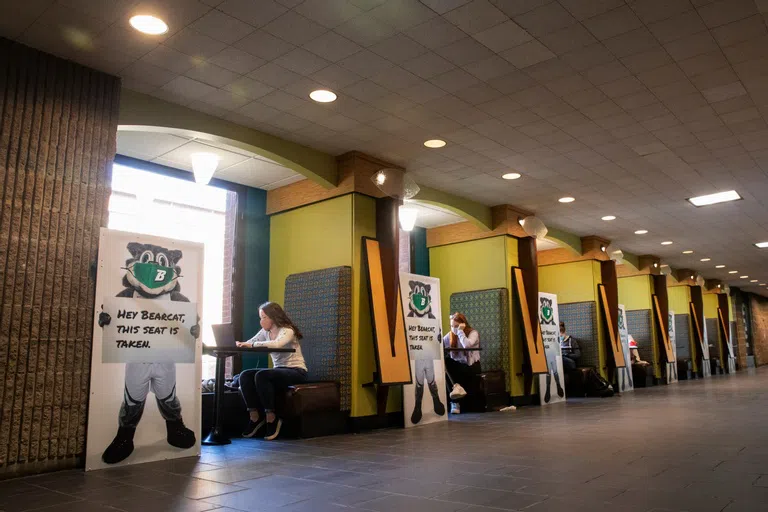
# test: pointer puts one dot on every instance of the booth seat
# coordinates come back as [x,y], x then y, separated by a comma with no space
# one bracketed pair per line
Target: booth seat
[320,303]
[488,313]
[684,369]
[580,320]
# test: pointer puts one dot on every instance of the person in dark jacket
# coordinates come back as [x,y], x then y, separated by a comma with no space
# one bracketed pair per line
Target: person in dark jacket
[570,349]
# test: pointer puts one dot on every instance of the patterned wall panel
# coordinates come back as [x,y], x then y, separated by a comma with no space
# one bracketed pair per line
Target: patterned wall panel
[581,323]
[58,125]
[639,325]
[320,303]
[713,326]
[488,312]
[682,336]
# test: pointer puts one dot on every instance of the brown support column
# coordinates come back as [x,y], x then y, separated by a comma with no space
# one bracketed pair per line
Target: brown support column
[697,299]
[611,284]
[725,328]
[388,236]
[527,257]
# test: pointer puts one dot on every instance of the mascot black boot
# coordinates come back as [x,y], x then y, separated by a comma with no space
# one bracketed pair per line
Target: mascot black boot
[121,446]
[547,395]
[179,435]
[439,407]
[416,416]
[560,391]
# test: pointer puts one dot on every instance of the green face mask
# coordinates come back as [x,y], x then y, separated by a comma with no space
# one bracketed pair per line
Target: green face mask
[152,275]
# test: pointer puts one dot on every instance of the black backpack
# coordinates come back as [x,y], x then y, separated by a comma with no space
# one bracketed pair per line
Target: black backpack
[597,386]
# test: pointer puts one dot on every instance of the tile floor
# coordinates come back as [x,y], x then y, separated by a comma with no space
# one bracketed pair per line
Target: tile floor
[696,446]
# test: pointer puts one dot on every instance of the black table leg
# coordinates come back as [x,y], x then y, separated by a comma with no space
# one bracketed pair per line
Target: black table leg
[217,436]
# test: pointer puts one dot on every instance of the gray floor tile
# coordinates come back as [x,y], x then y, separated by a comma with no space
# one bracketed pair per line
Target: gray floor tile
[413,487]
[472,496]
[229,475]
[399,503]
[255,500]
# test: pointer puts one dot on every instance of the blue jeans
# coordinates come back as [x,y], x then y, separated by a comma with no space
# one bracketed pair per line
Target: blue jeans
[258,387]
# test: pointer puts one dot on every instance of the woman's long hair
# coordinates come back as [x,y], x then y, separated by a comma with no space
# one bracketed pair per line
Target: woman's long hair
[279,318]
[460,318]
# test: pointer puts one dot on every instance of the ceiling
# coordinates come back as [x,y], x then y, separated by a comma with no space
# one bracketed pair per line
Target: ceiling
[235,165]
[630,106]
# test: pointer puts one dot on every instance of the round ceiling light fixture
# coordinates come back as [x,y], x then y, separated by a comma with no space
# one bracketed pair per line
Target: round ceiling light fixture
[566,199]
[323,96]
[434,143]
[687,252]
[668,242]
[743,277]
[733,272]
[511,176]
[753,280]
[719,266]
[641,232]
[705,259]
[609,217]
[147,24]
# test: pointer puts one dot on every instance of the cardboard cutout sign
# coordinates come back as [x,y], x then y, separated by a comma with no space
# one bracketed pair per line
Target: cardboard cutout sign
[624,375]
[551,385]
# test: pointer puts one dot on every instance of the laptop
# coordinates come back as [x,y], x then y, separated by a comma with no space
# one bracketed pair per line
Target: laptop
[224,334]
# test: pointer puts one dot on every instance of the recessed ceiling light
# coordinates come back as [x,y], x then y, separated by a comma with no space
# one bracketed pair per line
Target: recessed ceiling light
[688,252]
[641,231]
[733,272]
[743,277]
[761,245]
[323,96]
[566,199]
[719,197]
[434,143]
[148,25]
[753,280]
[511,175]
[668,242]
[761,284]
[609,217]
[705,259]
[719,266]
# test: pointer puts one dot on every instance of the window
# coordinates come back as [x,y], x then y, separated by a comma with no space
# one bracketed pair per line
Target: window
[160,205]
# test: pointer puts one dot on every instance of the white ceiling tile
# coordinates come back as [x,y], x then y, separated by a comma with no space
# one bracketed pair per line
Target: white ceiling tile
[435,33]
[444,6]
[259,111]
[567,39]
[274,75]
[295,28]
[454,80]
[396,79]
[170,59]
[678,26]
[195,44]
[428,65]
[365,90]
[650,11]
[724,92]
[403,14]
[282,101]
[335,77]
[365,30]
[503,36]
[490,68]
[527,54]
[301,61]
[476,16]
[365,64]
[148,144]
[588,57]
[148,73]
[248,88]
[225,99]
[236,60]
[187,88]
[545,19]
[464,51]
[288,122]
[256,14]
[332,47]
[726,11]
[329,13]
[211,74]
[398,48]
[740,31]
[222,27]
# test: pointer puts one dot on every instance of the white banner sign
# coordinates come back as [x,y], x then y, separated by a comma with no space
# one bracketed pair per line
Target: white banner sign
[624,375]
[148,331]
[146,360]
[552,384]
[425,400]
[706,369]
[671,374]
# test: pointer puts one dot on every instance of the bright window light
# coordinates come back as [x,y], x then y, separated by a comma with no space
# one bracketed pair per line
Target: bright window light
[762,245]
[719,197]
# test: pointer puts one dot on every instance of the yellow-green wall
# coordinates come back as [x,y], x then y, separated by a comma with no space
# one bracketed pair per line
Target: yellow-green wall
[679,298]
[636,292]
[481,265]
[323,235]
[710,305]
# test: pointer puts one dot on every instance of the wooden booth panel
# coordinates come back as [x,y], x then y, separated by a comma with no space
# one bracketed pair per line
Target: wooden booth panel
[662,321]
[611,323]
[532,333]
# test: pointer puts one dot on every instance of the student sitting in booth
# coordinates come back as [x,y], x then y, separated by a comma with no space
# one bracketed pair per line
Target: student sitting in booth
[634,354]
[570,349]
[461,367]
[258,387]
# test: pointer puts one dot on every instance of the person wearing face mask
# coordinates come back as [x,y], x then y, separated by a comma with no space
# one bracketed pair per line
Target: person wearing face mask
[462,367]
[570,349]
[258,387]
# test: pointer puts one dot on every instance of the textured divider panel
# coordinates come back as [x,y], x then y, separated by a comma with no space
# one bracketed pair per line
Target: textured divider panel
[639,325]
[713,326]
[58,124]
[488,312]
[682,336]
[320,304]
[581,323]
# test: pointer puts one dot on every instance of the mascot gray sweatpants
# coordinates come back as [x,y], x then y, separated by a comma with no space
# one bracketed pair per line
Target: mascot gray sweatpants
[139,379]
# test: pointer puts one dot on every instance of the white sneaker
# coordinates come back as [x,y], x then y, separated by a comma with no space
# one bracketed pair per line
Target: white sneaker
[458,392]
[455,408]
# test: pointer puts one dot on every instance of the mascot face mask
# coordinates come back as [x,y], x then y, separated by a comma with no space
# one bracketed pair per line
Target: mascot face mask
[152,275]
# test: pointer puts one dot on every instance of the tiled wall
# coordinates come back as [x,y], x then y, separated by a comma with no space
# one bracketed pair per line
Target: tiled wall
[682,336]
[581,323]
[639,325]
[759,310]
[712,330]
[58,125]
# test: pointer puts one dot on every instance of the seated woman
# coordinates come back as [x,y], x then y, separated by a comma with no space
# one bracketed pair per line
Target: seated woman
[570,350]
[462,367]
[258,387]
